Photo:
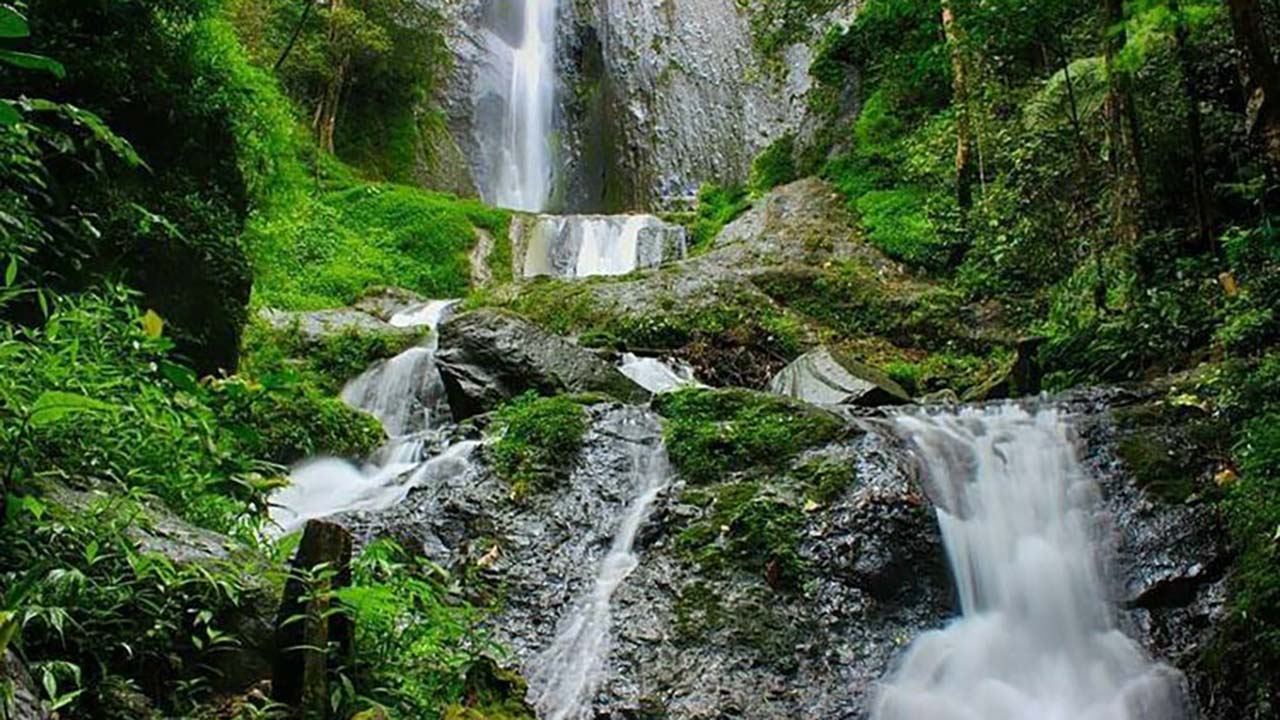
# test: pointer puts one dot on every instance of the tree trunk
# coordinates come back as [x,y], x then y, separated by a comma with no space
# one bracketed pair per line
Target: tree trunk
[1124,152]
[1195,132]
[326,120]
[1261,78]
[960,89]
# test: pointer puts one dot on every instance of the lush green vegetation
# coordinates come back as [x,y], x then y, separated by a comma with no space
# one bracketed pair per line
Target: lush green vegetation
[155,174]
[537,441]
[712,433]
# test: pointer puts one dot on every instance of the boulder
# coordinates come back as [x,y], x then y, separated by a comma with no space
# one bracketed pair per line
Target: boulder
[26,698]
[489,357]
[315,326]
[824,377]
[384,303]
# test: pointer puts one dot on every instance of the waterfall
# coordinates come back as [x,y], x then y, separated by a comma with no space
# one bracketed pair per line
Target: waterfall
[1037,638]
[566,675]
[657,376]
[593,245]
[406,392]
[525,173]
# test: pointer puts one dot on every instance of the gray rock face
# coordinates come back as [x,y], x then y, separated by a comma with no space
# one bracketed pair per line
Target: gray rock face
[822,377]
[26,698]
[654,98]
[488,357]
[688,644]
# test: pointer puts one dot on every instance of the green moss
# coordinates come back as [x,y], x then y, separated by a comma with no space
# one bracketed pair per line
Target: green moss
[713,433]
[326,364]
[537,440]
[717,207]
[825,480]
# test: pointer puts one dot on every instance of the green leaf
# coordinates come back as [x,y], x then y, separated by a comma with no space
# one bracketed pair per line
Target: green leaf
[11,272]
[12,24]
[53,407]
[9,114]
[152,324]
[29,61]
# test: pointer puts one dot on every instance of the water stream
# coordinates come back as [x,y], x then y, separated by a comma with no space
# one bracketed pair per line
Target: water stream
[525,174]
[1037,638]
[564,678]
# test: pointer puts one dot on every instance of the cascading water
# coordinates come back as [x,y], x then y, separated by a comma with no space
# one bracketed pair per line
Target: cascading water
[525,173]
[565,677]
[592,245]
[406,392]
[1037,639]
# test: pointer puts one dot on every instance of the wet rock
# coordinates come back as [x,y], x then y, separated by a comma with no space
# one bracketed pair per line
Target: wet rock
[26,696]
[695,641]
[384,303]
[823,377]
[314,327]
[489,357]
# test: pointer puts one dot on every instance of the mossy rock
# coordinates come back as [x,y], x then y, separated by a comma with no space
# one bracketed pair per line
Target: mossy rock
[537,441]
[1170,449]
[713,433]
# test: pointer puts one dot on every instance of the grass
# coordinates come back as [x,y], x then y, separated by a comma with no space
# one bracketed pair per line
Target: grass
[327,250]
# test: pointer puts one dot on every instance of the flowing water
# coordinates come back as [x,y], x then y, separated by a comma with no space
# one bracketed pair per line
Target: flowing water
[657,376]
[1037,638]
[406,393]
[592,245]
[565,677]
[525,174]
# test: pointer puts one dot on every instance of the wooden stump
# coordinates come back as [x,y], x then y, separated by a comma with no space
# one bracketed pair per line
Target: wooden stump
[306,626]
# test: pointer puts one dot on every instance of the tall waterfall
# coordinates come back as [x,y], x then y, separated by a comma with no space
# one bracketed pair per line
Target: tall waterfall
[1037,639]
[525,173]
[566,676]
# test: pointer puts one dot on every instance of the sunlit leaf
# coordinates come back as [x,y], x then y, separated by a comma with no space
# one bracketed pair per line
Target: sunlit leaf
[9,114]
[11,272]
[53,407]
[152,324]
[12,24]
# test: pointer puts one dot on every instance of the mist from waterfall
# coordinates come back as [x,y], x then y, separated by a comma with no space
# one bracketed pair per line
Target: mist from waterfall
[565,677]
[525,173]
[1037,639]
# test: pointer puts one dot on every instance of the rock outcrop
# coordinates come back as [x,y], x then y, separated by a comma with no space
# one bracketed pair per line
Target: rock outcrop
[488,357]
[26,697]
[823,377]
[315,326]
[698,640]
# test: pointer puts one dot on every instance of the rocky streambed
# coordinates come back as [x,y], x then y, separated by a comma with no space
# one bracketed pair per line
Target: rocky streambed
[785,592]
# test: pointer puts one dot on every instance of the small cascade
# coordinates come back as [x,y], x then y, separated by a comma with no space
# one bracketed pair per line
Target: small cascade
[327,487]
[657,376]
[406,392]
[592,245]
[1037,639]
[525,174]
[564,678]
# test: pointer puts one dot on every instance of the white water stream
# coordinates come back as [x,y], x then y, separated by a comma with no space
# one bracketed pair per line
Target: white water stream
[1037,639]
[525,174]
[565,677]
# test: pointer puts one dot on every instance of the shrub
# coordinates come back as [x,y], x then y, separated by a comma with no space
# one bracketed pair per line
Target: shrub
[774,166]
[717,207]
